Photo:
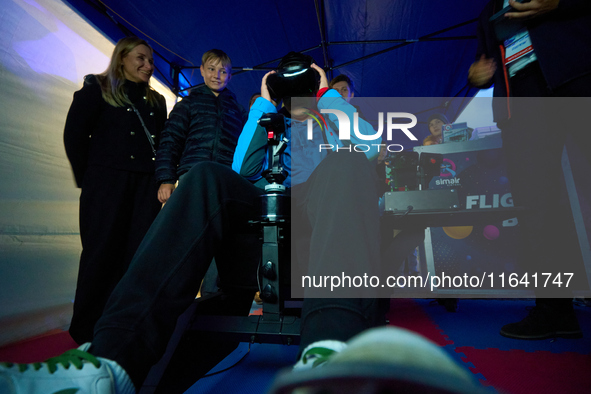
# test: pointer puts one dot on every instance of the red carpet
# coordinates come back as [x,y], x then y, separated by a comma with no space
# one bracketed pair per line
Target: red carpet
[38,348]
[520,372]
[470,336]
[406,313]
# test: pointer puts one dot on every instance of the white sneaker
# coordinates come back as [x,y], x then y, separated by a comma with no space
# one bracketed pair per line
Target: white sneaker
[380,360]
[397,346]
[73,372]
[317,353]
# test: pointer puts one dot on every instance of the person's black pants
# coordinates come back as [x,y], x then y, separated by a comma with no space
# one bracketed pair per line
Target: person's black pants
[206,217]
[533,142]
[116,210]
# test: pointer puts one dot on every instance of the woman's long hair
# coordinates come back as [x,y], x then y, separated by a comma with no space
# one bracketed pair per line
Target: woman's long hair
[113,78]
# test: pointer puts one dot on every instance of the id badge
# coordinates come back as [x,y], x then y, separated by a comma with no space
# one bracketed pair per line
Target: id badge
[518,46]
[519,52]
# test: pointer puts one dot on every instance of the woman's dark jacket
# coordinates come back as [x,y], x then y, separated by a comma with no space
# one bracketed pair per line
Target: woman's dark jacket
[99,134]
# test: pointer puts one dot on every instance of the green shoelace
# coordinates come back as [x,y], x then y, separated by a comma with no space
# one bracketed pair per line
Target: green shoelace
[320,355]
[73,357]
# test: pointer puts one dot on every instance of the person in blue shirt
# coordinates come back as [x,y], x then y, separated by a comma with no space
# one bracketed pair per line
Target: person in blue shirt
[334,192]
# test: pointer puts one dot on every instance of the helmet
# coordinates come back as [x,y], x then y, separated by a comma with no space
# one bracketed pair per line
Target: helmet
[294,77]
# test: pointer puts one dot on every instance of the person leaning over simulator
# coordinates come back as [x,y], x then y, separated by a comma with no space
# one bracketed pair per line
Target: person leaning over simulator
[548,56]
[344,85]
[253,99]
[111,150]
[204,218]
[202,127]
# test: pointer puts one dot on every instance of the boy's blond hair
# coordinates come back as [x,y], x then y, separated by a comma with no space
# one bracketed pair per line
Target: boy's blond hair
[214,54]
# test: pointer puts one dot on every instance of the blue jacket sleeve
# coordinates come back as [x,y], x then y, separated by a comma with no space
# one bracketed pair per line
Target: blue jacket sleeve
[250,155]
[333,100]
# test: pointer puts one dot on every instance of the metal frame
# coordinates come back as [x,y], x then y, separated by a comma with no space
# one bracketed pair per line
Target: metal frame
[176,70]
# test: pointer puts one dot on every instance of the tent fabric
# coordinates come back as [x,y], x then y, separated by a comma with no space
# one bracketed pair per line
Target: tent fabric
[45,51]
[407,48]
[47,46]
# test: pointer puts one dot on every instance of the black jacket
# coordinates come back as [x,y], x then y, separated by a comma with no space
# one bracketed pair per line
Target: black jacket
[98,134]
[201,127]
[561,41]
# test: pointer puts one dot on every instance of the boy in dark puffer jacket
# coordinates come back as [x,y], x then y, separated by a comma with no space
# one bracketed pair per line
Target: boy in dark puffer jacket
[202,127]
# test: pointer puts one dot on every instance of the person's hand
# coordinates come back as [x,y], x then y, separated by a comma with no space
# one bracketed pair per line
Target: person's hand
[482,71]
[164,192]
[531,9]
[265,90]
[323,79]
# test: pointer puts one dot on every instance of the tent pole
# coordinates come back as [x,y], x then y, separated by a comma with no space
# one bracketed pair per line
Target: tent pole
[247,69]
[320,16]
[402,40]
[407,42]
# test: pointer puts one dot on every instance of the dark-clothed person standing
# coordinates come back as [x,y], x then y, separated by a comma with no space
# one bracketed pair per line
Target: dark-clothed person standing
[538,52]
[111,133]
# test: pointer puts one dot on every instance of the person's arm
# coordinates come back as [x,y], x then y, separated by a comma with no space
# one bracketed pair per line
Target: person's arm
[537,8]
[172,143]
[481,72]
[250,155]
[161,111]
[531,9]
[165,191]
[244,114]
[82,116]
[331,99]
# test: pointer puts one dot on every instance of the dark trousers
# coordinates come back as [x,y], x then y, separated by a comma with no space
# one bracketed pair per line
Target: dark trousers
[533,142]
[207,217]
[116,210]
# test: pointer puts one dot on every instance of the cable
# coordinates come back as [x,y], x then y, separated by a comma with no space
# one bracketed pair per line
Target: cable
[258,275]
[408,210]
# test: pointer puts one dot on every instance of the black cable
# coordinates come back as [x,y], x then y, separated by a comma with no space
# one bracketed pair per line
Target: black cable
[408,210]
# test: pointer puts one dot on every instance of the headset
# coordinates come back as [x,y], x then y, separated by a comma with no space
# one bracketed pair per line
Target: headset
[294,77]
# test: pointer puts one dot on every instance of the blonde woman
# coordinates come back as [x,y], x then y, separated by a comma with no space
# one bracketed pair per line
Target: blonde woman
[110,136]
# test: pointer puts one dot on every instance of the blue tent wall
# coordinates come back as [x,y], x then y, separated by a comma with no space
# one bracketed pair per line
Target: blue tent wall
[430,47]
[41,68]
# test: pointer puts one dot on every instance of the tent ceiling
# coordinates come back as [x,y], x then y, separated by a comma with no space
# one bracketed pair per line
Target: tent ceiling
[402,48]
